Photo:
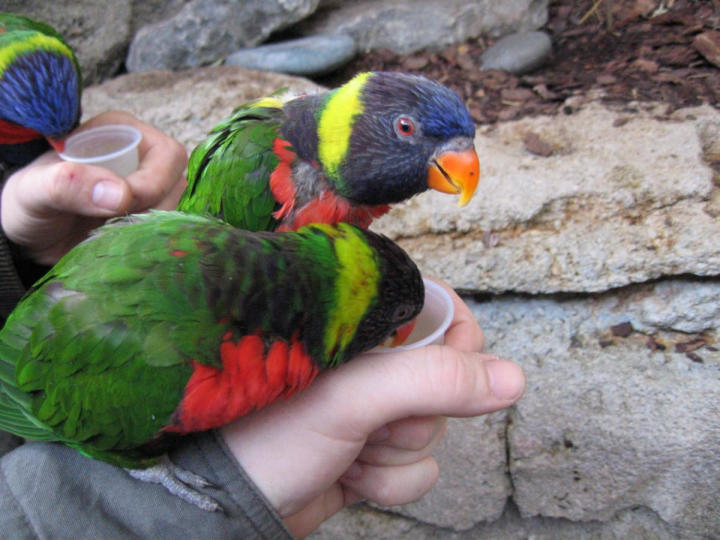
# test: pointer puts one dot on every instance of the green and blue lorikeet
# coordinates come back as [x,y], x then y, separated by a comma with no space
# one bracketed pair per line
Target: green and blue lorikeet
[120,349]
[342,155]
[40,88]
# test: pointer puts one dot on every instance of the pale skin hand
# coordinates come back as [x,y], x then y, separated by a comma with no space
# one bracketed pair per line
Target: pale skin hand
[50,205]
[367,429]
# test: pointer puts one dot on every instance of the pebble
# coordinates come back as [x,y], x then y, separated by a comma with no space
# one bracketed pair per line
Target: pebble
[309,56]
[708,44]
[518,53]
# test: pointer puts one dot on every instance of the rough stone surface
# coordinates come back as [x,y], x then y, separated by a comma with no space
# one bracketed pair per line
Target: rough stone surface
[98,31]
[673,305]
[473,484]
[313,55]
[518,53]
[623,198]
[153,11]
[205,31]
[613,438]
[404,26]
[361,522]
[186,105]
[607,423]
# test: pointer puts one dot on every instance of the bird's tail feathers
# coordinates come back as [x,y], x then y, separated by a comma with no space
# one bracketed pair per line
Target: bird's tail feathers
[15,404]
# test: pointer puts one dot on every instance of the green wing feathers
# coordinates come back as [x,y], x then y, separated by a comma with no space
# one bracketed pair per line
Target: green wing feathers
[118,322]
[228,173]
[105,329]
[15,405]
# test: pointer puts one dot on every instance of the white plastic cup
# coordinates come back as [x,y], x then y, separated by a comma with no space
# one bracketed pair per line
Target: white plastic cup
[113,146]
[432,322]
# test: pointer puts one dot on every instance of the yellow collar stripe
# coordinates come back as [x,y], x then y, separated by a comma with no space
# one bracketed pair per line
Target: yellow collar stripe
[356,284]
[336,121]
[32,42]
[268,102]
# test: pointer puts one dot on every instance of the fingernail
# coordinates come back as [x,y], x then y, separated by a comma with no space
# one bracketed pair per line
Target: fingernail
[353,472]
[379,435]
[506,379]
[107,195]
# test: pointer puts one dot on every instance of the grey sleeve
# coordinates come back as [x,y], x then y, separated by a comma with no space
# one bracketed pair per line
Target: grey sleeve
[52,491]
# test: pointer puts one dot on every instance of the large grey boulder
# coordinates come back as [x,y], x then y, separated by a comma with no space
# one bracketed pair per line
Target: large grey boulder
[187,104]
[610,423]
[205,31]
[474,485]
[98,31]
[405,26]
[362,522]
[146,12]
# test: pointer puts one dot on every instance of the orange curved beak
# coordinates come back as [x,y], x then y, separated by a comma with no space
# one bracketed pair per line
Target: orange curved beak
[455,172]
[401,333]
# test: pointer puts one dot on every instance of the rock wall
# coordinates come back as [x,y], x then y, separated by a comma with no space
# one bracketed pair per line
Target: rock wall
[624,197]
[179,34]
[595,267]
[204,31]
[394,24]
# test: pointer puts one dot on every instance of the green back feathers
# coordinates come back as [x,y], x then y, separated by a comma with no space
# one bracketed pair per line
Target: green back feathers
[12,22]
[239,147]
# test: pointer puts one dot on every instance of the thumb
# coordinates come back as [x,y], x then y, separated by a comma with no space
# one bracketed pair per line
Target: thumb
[434,380]
[325,427]
[73,188]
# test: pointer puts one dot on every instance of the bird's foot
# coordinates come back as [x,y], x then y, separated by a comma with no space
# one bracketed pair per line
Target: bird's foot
[179,482]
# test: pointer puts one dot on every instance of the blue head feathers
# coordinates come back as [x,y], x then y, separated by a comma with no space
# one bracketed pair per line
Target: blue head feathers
[40,83]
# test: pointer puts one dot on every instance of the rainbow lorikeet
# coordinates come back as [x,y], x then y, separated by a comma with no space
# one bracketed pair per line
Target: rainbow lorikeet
[120,350]
[40,87]
[342,155]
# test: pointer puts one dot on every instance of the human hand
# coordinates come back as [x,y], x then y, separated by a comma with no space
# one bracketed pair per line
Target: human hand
[367,429]
[50,205]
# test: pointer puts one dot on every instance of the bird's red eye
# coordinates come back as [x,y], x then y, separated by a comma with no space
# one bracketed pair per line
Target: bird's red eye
[404,126]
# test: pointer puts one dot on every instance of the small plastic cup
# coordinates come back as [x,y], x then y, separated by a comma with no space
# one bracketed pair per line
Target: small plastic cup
[432,322]
[113,146]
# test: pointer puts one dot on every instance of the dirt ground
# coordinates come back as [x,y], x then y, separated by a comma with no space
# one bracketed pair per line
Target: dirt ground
[617,50]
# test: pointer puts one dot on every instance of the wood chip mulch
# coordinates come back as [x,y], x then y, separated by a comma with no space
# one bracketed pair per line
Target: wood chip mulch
[614,50]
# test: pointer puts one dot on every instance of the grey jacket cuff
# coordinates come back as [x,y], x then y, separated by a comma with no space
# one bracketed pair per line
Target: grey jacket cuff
[48,490]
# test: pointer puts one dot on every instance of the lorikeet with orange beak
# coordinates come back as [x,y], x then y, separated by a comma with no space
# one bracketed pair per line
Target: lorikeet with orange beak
[40,87]
[165,324]
[342,155]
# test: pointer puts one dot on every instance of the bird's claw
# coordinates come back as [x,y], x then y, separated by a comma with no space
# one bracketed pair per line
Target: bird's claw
[178,481]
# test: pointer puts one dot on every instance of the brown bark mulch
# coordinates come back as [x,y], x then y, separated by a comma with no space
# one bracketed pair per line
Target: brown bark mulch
[617,51]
